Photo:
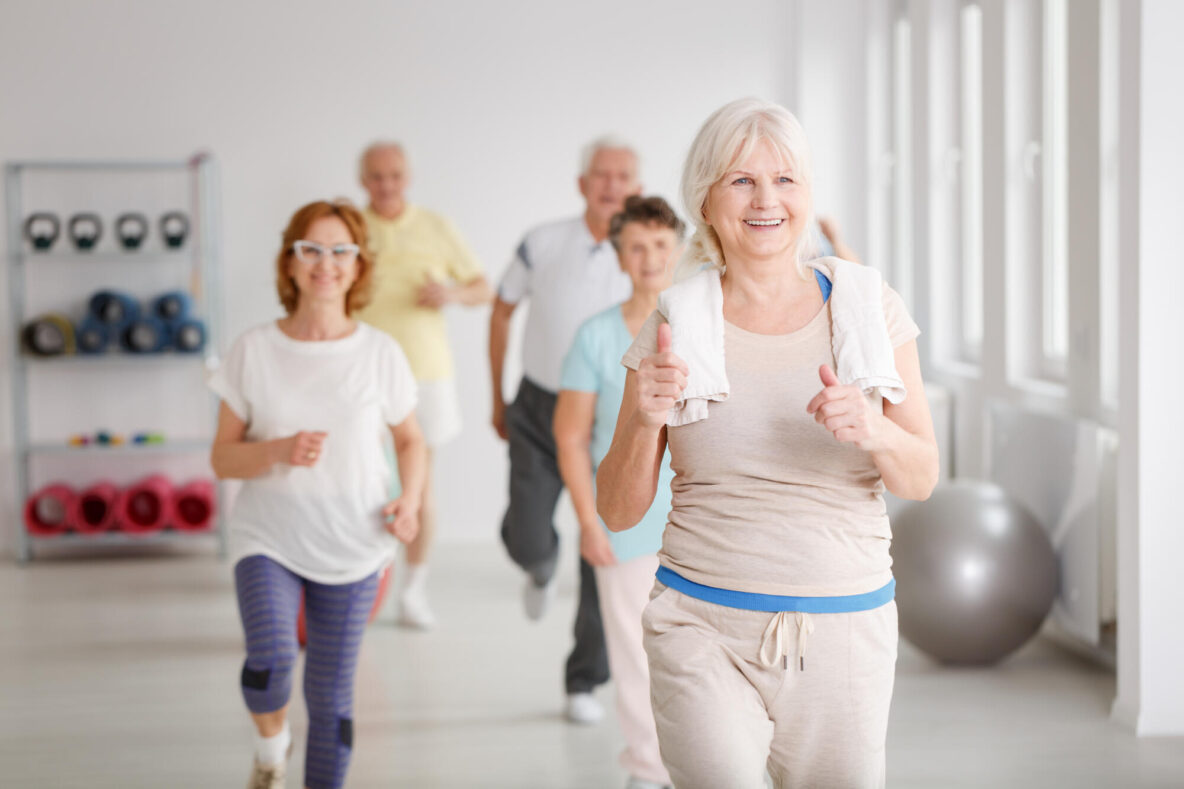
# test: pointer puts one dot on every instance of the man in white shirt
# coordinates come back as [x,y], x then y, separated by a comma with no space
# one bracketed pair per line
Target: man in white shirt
[570,272]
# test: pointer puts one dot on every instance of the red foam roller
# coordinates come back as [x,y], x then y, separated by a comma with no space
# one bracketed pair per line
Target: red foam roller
[193,505]
[146,506]
[47,511]
[94,508]
[384,582]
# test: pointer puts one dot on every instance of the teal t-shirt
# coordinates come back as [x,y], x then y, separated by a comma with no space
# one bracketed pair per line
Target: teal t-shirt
[593,364]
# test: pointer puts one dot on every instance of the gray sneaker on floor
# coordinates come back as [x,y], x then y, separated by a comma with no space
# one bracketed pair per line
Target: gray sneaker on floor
[267,776]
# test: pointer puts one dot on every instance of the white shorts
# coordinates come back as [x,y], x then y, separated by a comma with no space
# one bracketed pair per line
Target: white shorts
[438,411]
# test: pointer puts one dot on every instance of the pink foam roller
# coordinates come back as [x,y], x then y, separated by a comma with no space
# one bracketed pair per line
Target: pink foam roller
[48,510]
[146,506]
[193,505]
[94,508]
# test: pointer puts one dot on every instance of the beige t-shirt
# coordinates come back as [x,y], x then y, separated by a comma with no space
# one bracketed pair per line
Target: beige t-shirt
[765,499]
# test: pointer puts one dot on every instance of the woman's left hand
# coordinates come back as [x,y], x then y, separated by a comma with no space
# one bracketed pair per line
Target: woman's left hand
[401,518]
[844,411]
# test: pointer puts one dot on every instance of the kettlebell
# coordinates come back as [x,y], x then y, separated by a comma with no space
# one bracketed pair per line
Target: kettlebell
[85,230]
[132,229]
[35,230]
[174,227]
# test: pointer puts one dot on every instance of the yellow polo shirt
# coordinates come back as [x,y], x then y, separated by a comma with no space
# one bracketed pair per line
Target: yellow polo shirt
[409,251]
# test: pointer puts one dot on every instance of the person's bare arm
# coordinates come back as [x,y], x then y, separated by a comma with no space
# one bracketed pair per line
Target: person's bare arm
[499,336]
[900,439]
[233,457]
[472,293]
[411,454]
[575,414]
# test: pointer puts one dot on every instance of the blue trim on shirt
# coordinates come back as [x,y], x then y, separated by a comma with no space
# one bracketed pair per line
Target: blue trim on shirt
[823,284]
[750,601]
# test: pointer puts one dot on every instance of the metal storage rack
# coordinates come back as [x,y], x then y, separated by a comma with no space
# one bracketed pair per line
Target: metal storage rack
[199,257]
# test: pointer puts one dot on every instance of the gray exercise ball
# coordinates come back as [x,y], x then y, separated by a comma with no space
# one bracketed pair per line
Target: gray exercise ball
[975,573]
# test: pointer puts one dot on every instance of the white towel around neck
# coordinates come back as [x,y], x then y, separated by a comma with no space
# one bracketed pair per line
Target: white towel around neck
[863,352]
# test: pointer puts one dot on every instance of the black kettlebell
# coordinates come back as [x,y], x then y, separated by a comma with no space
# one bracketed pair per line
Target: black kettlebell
[39,236]
[174,227]
[132,229]
[85,230]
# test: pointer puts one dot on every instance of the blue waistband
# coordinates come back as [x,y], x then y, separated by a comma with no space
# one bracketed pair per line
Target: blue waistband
[750,601]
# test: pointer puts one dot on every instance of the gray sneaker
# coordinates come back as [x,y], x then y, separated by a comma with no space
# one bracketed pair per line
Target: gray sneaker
[267,776]
[537,599]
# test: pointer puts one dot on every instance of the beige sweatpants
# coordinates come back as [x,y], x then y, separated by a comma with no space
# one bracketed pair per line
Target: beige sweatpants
[817,717]
[624,591]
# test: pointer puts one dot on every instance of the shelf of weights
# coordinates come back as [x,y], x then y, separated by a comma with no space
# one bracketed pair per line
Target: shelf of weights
[123,226]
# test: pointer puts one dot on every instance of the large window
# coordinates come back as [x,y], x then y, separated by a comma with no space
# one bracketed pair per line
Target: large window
[1055,264]
[902,140]
[971,128]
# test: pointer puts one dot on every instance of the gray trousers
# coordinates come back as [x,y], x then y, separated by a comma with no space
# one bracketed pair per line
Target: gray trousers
[528,529]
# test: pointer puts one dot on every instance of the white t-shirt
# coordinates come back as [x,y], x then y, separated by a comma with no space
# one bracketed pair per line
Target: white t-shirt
[322,522]
[569,277]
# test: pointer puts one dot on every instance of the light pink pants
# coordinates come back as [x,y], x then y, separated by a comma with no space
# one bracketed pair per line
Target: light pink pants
[624,590]
[737,692]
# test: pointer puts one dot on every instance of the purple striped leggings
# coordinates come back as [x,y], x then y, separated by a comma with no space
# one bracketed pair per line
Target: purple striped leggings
[335,616]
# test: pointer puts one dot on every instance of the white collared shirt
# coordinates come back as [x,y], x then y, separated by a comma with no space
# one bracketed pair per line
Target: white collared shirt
[569,277]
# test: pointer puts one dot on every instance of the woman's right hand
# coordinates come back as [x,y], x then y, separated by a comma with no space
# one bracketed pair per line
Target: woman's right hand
[661,379]
[303,449]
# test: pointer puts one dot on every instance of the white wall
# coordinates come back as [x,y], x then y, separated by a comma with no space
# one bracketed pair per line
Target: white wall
[493,101]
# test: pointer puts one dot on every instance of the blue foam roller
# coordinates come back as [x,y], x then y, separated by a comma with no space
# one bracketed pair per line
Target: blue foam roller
[114,309]
[145,335]
[188,336]
[173,306]
[91,336]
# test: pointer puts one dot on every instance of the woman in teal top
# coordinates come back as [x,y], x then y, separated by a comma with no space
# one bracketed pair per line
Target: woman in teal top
[648,238]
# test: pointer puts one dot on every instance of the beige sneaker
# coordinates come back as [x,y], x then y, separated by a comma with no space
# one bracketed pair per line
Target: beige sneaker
[267,776]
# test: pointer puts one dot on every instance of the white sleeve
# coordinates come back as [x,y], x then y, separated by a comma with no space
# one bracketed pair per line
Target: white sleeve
[400,391]
[227,380]
[515,282]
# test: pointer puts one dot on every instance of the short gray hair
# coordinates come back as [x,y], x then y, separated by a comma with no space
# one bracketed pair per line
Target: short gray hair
[374,147]
[607,142]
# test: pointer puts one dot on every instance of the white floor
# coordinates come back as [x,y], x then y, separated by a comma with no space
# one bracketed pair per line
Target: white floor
[122,672]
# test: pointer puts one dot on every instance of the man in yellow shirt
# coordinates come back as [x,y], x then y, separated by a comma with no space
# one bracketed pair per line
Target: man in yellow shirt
[422,264]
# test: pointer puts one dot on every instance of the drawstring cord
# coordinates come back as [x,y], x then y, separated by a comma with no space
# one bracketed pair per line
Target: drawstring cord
[776,636]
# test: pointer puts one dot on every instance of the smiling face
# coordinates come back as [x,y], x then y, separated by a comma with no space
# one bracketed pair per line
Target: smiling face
[611,177]
[385,177]
[325,281]
[758,209]
[647,252]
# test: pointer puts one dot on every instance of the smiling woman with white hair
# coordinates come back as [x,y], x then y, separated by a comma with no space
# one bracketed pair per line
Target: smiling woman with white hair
[777,541]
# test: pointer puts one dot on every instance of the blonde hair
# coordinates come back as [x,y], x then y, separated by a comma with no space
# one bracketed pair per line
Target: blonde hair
[729,136]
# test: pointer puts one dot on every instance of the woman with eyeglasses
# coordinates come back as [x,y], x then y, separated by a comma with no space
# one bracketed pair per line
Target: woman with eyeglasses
[304,402]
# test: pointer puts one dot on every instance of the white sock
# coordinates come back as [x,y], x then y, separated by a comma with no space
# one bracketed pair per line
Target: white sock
[416,578]
[273,750]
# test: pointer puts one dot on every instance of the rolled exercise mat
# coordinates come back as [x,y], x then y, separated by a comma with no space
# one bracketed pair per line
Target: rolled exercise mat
[188,336]
[113,309]
[193,505]
[42,229]
[94,508]
[91,336]
[47,511]
[85,230]
[145,335]
[172,306]
[146,506]
[49,335]
[384,583]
